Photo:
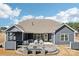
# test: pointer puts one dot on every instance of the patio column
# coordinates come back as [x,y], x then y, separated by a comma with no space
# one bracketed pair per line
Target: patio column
[54,38]
[8,37]
[22,36]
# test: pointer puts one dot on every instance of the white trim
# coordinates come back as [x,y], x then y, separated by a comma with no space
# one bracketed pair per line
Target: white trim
[67,26]
[15,26]
[54,38]
[19,28]
[70,28]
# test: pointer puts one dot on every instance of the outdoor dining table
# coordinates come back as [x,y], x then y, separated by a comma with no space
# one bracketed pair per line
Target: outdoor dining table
[34,50]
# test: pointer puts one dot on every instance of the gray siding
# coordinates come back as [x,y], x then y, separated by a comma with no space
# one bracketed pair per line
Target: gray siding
[68,32]
[52,38]
[10,45]
[74,45]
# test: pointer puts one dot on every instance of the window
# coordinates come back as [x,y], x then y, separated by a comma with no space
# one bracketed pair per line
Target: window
[64,37]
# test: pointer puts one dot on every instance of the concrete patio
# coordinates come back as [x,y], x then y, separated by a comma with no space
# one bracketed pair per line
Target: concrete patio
[63,51]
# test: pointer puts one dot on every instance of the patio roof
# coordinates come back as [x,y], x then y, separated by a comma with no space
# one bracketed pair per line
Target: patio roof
[39,25]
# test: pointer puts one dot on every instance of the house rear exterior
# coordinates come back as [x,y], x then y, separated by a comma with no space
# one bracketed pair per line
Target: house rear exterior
[33,29]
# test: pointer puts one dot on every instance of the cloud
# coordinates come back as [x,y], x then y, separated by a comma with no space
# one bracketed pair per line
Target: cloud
[30,17]
[27,17]
[6,26]
[16,12]
[70,15]
[6,11]
[39,17]
[16,21]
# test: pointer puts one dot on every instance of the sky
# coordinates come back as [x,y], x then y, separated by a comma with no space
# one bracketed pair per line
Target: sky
[13,13]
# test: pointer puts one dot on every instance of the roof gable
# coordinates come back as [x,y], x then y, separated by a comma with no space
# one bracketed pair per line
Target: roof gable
[65,25]
[14,29]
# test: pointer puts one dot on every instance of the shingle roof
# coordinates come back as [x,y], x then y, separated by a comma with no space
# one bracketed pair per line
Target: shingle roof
[39,26]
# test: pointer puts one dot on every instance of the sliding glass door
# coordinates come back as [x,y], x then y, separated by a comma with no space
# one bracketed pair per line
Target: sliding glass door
[44,37]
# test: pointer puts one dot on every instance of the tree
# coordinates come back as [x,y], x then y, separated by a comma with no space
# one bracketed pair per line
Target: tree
[74,25]
[2,29]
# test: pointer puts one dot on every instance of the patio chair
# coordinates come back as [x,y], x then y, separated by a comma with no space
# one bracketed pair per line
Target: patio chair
[41,42]
[36,42]
[25,42]
[31,45]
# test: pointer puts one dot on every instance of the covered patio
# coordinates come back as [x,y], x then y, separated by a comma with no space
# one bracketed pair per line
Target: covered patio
[20,37]
[36,36]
